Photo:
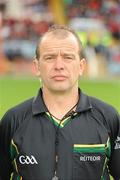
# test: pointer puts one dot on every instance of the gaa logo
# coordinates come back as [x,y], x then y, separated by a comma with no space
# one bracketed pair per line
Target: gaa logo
[27,160]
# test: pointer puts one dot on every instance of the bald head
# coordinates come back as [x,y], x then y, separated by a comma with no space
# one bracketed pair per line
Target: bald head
[59,32]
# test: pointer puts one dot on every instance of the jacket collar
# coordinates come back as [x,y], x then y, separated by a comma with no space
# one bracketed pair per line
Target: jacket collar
[84,103]
[38,105]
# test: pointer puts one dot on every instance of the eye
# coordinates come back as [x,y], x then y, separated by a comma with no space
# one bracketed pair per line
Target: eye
[69,57]
[48,58]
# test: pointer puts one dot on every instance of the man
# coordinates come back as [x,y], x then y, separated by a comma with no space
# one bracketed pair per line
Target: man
[61,133]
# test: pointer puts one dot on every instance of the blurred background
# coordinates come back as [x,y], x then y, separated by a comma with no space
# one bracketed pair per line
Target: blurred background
[22,23]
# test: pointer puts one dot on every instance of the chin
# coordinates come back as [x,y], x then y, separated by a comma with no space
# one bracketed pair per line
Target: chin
[60,89]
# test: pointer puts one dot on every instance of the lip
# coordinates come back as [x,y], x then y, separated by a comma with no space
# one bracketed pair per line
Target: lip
[59,77]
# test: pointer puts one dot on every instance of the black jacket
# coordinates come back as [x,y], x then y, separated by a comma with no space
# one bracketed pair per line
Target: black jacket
[87,148]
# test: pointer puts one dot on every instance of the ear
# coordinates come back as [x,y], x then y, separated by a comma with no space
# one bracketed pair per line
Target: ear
[36,67]
[82,66]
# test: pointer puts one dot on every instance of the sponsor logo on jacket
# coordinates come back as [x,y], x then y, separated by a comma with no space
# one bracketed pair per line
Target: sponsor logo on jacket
[27,159]
[117,143]
[90,158]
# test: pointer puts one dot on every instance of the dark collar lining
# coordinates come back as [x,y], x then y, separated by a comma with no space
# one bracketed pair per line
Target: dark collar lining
[38,105]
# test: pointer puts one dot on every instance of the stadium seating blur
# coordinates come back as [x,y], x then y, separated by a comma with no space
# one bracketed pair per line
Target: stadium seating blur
[97,22]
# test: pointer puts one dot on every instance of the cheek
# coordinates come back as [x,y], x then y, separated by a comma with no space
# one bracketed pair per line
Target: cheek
[76,70]
[44,71]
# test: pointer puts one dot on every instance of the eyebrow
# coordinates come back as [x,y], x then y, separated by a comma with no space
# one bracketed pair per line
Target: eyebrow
[68,54]
[49,54]
[54,53]
[62,53]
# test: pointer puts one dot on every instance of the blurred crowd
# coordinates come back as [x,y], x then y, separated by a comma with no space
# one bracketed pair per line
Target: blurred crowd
[106,10]
[23,25]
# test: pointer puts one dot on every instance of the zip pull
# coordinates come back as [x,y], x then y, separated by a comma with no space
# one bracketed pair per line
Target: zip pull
[56,161]
[55,177]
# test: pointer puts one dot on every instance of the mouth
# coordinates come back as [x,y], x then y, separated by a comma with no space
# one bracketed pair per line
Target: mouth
[59,77]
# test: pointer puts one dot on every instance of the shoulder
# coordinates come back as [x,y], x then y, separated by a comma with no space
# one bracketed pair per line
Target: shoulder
[102,106]
[106,114]
[20,109]
[15,116]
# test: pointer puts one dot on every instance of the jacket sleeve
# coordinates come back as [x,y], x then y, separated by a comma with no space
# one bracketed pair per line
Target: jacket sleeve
[5,139]
[114,164]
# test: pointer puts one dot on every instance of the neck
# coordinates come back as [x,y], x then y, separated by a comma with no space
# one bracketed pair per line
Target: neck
[59,104]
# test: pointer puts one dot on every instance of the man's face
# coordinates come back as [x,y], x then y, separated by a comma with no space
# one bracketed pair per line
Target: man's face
[59,65]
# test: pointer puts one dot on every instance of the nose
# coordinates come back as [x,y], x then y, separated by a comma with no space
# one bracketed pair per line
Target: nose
[59,63]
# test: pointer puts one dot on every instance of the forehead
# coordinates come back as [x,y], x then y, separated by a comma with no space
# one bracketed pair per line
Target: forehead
[51,42]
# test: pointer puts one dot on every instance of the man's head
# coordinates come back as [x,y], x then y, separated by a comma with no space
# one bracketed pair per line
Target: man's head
[59,59]
[60,31]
